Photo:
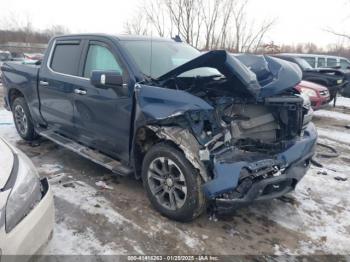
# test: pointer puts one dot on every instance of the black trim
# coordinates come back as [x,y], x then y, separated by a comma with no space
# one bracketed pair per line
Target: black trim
[13,176]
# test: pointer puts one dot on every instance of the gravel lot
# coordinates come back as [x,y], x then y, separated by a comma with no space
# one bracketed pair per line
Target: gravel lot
[89,220]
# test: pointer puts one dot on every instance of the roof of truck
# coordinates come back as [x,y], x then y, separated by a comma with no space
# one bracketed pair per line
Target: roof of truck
[120,37]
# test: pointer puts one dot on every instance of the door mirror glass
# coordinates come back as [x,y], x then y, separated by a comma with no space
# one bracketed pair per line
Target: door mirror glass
[105,79]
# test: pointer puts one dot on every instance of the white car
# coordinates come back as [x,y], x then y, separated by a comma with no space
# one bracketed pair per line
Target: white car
[26,204]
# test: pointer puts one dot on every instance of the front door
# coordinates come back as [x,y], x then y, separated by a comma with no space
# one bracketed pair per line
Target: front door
[103,115]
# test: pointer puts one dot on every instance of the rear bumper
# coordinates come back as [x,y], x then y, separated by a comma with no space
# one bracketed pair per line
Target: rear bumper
[289,168]
[33,231]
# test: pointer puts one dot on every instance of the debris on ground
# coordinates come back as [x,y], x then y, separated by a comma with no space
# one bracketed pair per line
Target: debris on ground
[323,172]
[338,178]
[103,185]
[70,184]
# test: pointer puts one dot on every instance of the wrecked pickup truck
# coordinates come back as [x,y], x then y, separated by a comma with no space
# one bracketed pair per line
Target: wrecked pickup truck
[200,130]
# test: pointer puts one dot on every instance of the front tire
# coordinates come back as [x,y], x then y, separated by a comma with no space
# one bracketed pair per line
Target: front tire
[173,185]
[23,120]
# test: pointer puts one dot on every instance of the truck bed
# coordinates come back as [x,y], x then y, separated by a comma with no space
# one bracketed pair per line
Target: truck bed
[23,77]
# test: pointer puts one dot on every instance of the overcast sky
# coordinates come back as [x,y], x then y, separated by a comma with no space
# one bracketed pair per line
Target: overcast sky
[297,20]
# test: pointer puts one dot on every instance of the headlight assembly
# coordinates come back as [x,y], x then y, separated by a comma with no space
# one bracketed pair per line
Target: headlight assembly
[339,81]
[309,92]
[25,194]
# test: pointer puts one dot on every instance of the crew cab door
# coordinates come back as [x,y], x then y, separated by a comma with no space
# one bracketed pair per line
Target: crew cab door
[102,115]
[58,77]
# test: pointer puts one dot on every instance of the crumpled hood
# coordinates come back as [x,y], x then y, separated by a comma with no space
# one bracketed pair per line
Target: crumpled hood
[268,77]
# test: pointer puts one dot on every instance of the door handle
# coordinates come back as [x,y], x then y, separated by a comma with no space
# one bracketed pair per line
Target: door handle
[43,83]
[80,91]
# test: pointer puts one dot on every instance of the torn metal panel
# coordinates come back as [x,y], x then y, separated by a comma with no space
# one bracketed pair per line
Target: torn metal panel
[186,142]
[160,103]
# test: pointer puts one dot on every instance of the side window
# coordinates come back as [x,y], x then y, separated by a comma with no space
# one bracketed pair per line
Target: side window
[65,59]
[344,64]
[331,62]
[310,60]
[321,62]
[100,58]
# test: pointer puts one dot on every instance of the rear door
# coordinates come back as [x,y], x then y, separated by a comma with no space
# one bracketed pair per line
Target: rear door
[57,81]
[103,115]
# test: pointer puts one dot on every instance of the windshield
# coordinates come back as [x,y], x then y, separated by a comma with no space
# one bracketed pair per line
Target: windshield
[4,56]
[159,57]
[303,63]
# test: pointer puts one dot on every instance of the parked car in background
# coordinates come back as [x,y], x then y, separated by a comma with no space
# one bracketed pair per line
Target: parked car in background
[34,56]
[334,79]
[17,56]
[322,61]
[26,204]
[201,130]
[4,57]
[319,95]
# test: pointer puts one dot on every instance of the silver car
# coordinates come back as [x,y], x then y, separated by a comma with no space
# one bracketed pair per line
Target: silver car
[26,204]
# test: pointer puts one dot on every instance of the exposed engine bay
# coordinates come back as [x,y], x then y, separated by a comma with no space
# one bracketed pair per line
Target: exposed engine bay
[239,120]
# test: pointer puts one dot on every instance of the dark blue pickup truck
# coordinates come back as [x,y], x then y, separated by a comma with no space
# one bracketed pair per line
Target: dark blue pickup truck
[201,130]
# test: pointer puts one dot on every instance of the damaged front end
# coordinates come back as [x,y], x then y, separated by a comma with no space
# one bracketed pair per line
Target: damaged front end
[248,134]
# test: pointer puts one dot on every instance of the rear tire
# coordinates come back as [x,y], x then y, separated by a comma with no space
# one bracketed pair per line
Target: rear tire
[23,119]
[173,185]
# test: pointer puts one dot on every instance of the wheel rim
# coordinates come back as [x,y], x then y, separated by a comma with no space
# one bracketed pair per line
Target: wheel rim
[21,120]
[167,183]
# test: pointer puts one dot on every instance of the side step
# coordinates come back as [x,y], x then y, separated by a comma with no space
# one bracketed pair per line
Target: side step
[93,155]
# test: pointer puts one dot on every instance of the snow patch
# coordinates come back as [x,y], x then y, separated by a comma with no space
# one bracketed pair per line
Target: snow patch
[7,127]
[333,115]
[68,242]
[342,137]
[343,101]
[49,169]
[87,198]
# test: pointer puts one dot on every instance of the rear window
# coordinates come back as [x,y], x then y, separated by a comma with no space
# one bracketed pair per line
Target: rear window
[65,59]
[321,62]
[331,62]
[344,64]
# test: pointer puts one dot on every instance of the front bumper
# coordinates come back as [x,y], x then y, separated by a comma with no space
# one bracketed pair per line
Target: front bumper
[290,166]
[319,102]
[32,232]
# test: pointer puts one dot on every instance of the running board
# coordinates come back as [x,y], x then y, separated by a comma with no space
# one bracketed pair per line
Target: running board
[93,155]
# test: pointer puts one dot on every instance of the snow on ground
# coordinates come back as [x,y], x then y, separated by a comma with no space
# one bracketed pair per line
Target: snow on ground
[339,136]
[7,126]
[67,242]
[334,115]
[343,101]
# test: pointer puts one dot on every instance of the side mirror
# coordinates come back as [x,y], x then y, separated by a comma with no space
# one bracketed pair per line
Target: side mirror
[105,79]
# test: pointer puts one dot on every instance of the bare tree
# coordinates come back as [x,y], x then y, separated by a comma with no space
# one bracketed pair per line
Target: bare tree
[155,12]
[205,24]
[185,15]
[248,34]
[137,26]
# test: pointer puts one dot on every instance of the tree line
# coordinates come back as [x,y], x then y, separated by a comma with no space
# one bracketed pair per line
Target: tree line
[204,24]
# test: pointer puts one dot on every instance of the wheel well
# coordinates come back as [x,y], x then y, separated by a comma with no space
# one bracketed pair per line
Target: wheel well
[145,138]
[13,94]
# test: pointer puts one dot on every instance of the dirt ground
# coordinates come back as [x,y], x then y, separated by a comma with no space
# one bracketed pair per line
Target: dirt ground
[315,219]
